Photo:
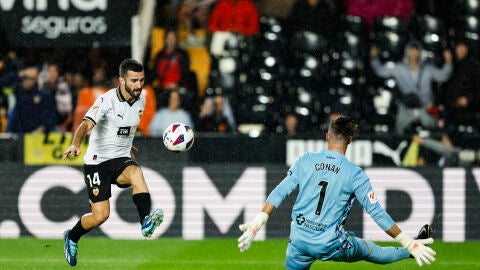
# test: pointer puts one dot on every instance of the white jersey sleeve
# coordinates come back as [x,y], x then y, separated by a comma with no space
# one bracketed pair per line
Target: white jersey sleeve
[97,110]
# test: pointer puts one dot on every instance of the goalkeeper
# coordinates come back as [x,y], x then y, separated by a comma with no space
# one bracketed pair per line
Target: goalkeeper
[328,184]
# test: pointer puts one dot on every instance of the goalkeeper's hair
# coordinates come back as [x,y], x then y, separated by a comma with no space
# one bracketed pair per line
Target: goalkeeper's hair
[129,64]
[344,128]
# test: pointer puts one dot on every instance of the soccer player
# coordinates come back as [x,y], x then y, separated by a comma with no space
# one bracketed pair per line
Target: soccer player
[328,184]
[112,121]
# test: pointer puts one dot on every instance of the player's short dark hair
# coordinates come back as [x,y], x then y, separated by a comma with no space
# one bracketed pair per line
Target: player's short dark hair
[129,64]
[344,126]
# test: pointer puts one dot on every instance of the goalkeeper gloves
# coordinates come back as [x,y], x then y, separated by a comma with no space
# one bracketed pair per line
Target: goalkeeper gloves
[250,230]
[418,248]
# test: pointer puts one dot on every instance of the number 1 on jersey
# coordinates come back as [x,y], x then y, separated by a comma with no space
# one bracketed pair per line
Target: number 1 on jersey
[324,185]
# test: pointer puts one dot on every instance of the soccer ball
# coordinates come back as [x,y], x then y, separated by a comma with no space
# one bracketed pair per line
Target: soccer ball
[178,137]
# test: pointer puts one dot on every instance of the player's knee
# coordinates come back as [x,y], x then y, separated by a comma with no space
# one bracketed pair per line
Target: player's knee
[134,172]
[131,176]
[101,217]
[136,178]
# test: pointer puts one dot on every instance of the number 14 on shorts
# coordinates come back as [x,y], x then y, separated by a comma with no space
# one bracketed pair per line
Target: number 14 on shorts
[95,180]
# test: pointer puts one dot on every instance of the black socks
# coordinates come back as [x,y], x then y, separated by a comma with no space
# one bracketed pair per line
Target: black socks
[143,203]
[77,232]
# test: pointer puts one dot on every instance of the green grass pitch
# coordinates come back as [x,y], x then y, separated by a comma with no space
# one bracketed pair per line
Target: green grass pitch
[173,253]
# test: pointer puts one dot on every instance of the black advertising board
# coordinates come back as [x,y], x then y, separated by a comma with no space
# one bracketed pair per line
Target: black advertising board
[67,23]
[202,201]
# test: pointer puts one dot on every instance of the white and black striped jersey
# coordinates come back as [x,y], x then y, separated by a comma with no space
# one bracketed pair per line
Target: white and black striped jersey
[115,123]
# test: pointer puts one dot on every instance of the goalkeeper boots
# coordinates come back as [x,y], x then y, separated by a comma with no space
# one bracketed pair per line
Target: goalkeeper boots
[70,249]
[425,232]
[151,222]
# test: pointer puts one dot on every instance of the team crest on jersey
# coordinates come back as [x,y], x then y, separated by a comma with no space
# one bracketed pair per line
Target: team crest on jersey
[95,191]
[371,197]
[140,113]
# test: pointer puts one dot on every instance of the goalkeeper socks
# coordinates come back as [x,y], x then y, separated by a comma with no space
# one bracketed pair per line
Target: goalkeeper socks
[77,231]
[143,203]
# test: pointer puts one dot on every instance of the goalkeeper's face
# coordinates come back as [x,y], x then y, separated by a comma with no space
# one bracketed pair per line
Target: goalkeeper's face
[133,83]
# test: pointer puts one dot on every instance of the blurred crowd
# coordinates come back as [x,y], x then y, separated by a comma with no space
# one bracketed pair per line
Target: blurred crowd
[403,67]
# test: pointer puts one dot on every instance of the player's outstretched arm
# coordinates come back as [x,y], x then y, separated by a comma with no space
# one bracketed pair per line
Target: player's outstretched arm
[416,247]
[80,133]
[251,228]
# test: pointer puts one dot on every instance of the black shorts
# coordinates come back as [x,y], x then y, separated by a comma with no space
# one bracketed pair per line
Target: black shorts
[99,178]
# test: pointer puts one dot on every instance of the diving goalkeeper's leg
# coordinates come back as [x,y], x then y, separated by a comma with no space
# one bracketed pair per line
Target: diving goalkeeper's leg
[387,254]
[360,249]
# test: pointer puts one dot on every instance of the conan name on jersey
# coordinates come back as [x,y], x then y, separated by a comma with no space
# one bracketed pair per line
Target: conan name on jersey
[327,167]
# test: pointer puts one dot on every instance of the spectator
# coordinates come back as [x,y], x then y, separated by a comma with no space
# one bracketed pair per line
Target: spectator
[149,111]
[414,78]
[235,16]
[9,68]
[34,111]
[317,16]
[235,21]
[3,112]
[461,94]
[216,115]
[450,154]
[291,125]
[57,87]
[334,114]
[11,63]
[88,95]
[96,59]
[171,114]
[369,9]
[76,81]
[193,19]
[171,71]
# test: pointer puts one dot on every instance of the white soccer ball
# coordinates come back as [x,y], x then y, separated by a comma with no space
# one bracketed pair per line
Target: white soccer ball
[178,137]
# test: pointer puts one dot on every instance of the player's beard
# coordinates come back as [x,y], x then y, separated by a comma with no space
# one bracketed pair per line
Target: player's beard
[132,92]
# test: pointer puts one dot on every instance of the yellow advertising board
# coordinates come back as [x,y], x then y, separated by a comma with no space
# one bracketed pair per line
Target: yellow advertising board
[47,149]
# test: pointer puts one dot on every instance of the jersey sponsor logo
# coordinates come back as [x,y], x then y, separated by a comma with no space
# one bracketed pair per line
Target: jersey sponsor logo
[310,224]
[123,131]
[300,219]
[95,191]
[371,197]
